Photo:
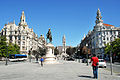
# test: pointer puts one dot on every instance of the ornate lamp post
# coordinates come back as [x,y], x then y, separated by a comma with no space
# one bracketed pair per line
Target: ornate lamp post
[79,55]
[30,54]
[111,53]
[87,53]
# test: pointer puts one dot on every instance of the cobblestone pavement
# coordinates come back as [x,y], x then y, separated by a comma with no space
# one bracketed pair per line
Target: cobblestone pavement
[65,70]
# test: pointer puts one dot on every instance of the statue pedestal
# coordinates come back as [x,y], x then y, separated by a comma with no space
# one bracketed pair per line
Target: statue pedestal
[49,57]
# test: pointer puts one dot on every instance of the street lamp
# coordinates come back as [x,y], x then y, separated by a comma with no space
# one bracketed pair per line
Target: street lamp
[30,54]
[79,55]
[6,56]
[87,53]
[111,52]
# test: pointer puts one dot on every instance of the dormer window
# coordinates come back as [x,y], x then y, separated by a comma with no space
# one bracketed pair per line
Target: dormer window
[103,27]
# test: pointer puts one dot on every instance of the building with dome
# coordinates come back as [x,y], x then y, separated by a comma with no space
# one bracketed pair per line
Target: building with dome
[102,34]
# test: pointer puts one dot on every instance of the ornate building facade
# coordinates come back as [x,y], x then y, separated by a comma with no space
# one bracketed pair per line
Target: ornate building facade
[22,35]
[99,36]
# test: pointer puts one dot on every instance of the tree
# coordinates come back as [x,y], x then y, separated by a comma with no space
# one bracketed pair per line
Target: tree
[17,49]
[84,50]
[13,49]
[70,51]
[113,46]
[10,49]
[3,46]
[42,51]
[56,51]
[107,48]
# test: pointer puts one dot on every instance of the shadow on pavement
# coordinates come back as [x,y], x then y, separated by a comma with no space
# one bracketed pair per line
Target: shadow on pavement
[118,74]
[85,76]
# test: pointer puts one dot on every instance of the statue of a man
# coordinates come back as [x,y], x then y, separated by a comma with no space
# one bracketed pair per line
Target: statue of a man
[49,36]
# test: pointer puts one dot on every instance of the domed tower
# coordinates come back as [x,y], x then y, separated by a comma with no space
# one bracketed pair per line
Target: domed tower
[98,17]
[42,39]
[22,19]
[99,21]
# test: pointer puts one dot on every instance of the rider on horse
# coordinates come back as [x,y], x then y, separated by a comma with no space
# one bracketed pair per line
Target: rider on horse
[49,36]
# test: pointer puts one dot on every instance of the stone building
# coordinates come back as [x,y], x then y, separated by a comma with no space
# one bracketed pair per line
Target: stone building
[102,34]
[22,35]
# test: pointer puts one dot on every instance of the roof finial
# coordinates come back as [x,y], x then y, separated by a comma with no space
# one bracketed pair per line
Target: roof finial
[64,39]
[22,19]
[98,17]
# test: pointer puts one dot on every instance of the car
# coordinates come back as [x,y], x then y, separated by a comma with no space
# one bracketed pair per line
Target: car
[102,63]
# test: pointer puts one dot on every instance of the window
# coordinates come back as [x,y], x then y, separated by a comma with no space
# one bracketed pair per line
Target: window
[99,33]
[114,37]
[107,33]
[19,43]
[11,27]
[23,43]
[15,32]
[107,38]
[15,37]
[23,37]
[103,33]
[10,32]
[10,37]
[111,32]
[110,38]
[103,38]
[18,37]
[103,27]
[114,32]
[23,47]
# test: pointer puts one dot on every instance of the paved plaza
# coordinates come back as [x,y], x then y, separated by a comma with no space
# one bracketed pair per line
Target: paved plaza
[65,70]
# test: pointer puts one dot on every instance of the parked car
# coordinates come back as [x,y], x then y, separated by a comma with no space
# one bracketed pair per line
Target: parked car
[102,63]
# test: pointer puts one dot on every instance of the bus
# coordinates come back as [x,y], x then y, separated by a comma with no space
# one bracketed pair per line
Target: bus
[17,57]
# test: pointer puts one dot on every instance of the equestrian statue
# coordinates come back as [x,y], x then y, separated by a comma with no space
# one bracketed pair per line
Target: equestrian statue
[49,36]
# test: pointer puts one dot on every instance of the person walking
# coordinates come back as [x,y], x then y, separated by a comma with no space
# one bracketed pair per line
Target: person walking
[95,63]
[41,60]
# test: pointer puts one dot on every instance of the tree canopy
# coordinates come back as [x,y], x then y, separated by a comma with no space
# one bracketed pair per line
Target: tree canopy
[42,51]
[113,46]
[8,48]
[56,51]
[3,46]
[70,51]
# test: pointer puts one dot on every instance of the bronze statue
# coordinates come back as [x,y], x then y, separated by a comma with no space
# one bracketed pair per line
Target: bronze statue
[49,36]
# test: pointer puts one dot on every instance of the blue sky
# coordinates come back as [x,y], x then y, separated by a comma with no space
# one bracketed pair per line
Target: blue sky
[72,18]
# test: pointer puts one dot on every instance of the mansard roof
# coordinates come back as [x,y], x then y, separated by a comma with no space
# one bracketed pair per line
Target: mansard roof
[107,24]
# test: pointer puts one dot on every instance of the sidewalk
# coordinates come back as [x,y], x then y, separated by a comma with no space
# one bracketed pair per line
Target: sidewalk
[66,70]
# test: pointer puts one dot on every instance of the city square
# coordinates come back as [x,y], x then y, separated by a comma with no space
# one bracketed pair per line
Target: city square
[54,40]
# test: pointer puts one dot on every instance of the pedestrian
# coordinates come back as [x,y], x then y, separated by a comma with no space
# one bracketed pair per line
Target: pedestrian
[41,60]
[95,63]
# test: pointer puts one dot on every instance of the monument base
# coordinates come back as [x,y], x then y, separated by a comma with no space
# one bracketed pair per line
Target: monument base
[50,57]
